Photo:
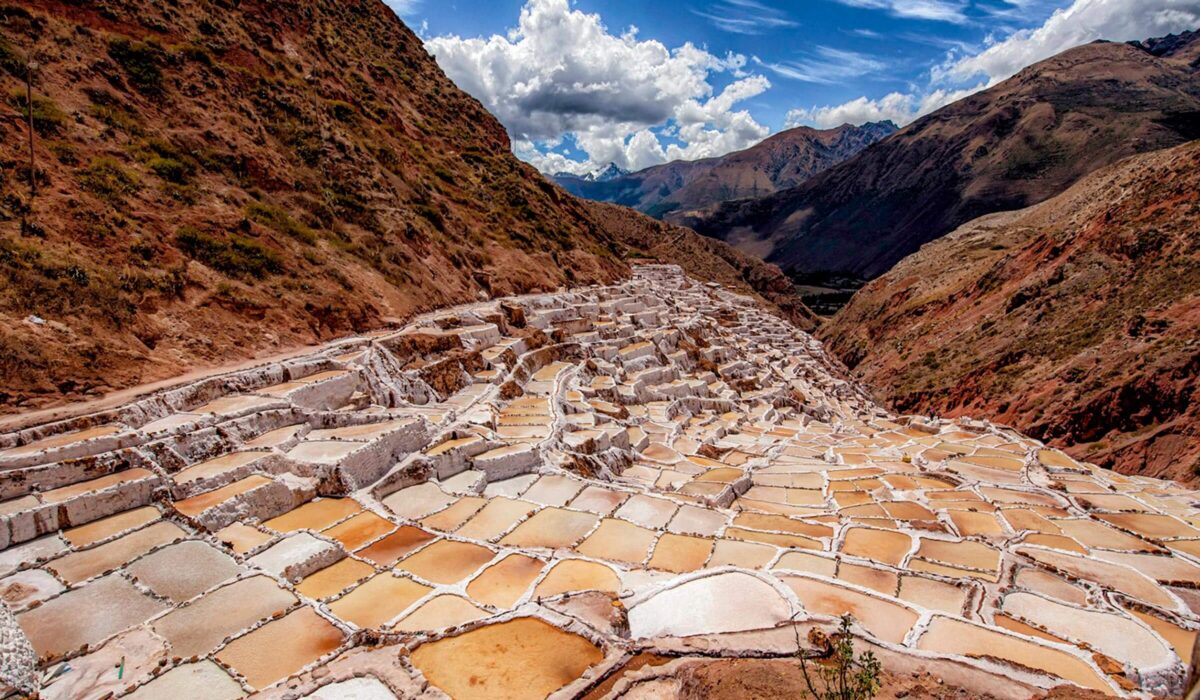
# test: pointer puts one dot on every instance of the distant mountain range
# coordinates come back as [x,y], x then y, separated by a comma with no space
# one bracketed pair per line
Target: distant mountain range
[1013,145]
[779,162]
[608,172]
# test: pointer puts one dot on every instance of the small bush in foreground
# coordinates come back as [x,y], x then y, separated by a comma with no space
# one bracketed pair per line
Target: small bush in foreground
[845,675]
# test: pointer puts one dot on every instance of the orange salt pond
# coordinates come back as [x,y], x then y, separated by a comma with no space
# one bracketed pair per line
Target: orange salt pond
[571,575]
[551,528]
[883,546]
[520,659]
[887,621]
[680,553]
[378,601]
[104,528]
[359,530]
[335,578]
[400,543]
[447,561]
[315,515]
[618,540]
[502,584]
[439,613]
[281,647]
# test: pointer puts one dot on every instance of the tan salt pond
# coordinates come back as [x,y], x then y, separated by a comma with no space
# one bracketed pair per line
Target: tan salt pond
[551,528]
[680,553]
[570,575]
[950,636]
[197,628]
[1050,585]
[618,540]
[502,584]
[1150,525]
[62,440]
[809,563]
[334,579]
[1094,534]
[887,621]
[453,517]
[315,515]
[965,554]
[184,570]
[104,528]
[520,659]
[378,601]
[932,595]
[196,505]
[447,561]
[216,467]
[496,518]
[242,538]
[82,565]
[86,615]
[746,555]
[439,613]
[880,580]
[1183,641]
[275,437]
[66,493]
[883,546]
[1114,576]
[281,647]
[1114,635]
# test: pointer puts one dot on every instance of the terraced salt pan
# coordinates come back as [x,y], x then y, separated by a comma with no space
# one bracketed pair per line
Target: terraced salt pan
[675,482]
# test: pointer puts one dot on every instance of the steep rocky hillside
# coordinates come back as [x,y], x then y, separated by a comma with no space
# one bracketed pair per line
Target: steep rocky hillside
[1077,320]
[779,162]
[219,180]
[1016,144]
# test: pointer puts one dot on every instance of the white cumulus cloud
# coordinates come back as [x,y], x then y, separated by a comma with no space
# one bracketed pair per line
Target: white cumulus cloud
[562,72]
[966,72]
[1079,23]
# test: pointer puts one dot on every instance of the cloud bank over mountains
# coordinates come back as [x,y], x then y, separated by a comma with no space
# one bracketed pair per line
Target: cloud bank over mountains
[576,96]
[964,73]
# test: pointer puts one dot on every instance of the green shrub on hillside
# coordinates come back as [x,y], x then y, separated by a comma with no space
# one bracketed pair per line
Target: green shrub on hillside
[279,220]
[235,256]
[141,62]
[47,117]
[106,178]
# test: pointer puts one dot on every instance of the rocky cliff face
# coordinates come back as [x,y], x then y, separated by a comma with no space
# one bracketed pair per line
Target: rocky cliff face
[1008,147]
[1076,320]
[781,161]
[219,180]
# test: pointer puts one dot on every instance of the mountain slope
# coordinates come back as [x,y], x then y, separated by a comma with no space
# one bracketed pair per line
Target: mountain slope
[779,162]
[1013,145]
[1077,320]
[224,180]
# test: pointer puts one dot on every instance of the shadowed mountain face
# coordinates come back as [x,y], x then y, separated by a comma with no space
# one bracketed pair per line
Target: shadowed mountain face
[1013,145]
[1075,320]
[220,181]
[781,161]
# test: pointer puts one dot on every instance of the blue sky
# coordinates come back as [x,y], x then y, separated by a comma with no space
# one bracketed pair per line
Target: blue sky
[580,83]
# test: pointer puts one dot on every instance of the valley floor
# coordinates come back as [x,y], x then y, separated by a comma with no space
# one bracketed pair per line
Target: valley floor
[596,493]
